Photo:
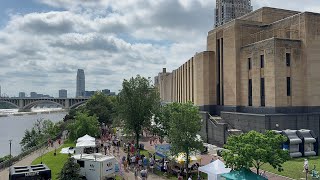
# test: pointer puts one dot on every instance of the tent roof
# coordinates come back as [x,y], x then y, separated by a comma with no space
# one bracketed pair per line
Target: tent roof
[242,174]
[86,144]
[86,138]
[216,167]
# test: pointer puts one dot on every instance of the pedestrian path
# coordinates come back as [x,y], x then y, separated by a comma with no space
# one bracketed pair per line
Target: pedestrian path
[4,174]
[129,175]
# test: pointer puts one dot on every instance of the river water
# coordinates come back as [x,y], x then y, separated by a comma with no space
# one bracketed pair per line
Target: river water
[14,125]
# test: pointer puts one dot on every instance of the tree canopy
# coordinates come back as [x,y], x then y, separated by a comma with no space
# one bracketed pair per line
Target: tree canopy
[253,149]
[184,126]
[136,102]
[83,124]
[70,170]
[102,106]
[40,132]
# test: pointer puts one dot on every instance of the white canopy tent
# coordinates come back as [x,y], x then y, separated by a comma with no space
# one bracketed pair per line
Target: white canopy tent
[86,138]
[214,169]
[86,144]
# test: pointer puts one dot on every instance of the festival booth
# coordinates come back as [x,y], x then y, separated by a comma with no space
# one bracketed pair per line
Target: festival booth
[86,138]
[242,174]
[177,164]
[85,144]
[215,169]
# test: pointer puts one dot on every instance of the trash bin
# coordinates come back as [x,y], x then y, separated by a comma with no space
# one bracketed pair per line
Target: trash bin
[142,146]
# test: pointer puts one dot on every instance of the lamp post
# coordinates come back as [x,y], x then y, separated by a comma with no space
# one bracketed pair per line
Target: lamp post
[10,142]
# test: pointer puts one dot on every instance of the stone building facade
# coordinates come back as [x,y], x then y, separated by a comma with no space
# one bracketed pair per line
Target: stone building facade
[260,71]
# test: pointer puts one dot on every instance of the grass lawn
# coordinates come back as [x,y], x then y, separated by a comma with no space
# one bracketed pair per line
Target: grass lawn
[55,163]
[294,167]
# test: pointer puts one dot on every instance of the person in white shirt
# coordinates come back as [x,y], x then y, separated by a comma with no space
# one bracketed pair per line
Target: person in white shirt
[190,177]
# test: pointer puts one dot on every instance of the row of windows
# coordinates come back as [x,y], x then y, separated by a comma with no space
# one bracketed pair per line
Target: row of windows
[262,91]
[288,61]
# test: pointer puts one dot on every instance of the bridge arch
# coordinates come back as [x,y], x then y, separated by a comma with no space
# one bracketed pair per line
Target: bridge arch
[30,105]
[13,104]
[74,106]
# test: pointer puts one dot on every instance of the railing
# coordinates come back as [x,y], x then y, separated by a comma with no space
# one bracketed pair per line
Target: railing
[266,34]
[14,159]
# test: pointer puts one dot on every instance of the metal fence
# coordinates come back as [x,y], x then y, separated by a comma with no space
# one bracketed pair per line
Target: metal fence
[14,159]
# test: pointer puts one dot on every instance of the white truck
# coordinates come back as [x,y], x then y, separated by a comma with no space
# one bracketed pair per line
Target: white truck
[96,166]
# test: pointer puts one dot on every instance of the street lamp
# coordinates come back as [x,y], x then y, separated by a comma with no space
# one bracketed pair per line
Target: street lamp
[10,142]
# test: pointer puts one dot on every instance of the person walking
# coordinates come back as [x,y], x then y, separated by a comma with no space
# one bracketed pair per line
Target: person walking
[136,173]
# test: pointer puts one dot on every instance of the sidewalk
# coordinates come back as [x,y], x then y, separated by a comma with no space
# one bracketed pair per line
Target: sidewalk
[4,174]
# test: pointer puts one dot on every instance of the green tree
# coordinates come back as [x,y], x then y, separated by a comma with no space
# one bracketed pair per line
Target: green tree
[83,124]
[29,139]
[102,106]
[185,124]
[161,119]
[70,170]
[40,132]
[254,149]
[136,102]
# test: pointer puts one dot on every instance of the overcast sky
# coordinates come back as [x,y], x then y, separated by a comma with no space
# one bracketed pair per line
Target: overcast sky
[44,42]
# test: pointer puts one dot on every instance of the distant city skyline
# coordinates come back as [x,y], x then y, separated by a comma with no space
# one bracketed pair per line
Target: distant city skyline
[44,42]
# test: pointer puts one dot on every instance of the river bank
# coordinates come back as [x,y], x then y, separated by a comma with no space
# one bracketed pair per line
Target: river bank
[13,126]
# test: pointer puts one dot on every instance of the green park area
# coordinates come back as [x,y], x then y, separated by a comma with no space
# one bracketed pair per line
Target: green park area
[55,163]
[294,167]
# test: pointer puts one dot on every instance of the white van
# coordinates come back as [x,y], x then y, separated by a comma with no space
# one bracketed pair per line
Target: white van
[96,166]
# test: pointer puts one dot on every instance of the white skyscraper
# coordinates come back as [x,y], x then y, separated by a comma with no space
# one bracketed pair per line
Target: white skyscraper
[227,10]
[81,83]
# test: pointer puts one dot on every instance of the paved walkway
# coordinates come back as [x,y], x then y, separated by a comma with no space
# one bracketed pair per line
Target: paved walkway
[129,175]
[4,174]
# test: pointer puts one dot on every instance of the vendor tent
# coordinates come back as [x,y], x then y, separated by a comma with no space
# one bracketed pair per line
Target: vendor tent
[86,138]
[242,174]
[214,169]
[86,144]
[181,158]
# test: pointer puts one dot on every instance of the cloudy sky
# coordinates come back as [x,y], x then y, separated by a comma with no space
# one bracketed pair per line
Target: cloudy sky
[44,42]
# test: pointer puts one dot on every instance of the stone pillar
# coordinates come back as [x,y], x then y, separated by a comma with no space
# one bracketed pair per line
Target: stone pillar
[66,104]
[21,103]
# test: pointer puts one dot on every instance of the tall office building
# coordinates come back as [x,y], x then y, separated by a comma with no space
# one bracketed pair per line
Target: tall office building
[81,83]
[22,94]
[63,93]
[226,10]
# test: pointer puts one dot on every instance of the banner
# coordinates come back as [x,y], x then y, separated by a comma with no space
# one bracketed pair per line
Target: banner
[162,150]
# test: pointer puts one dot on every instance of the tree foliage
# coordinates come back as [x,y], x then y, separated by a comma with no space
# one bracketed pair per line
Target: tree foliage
[83,124]
[40,132]
[254,149]
[136,102]
[102,106]
[185,124]
[161,120]
[70,170]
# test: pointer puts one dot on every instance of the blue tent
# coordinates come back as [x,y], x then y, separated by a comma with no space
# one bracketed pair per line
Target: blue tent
[242,174]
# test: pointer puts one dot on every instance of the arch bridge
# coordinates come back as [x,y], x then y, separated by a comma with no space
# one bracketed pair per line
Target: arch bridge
[24,104]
